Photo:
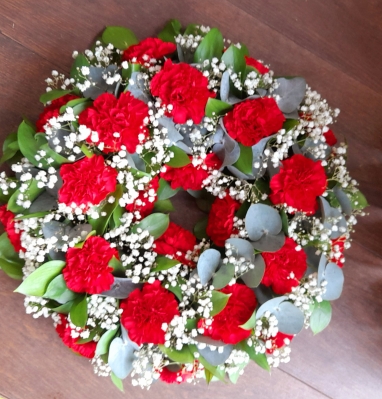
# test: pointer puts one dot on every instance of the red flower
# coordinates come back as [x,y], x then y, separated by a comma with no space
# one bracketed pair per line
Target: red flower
[7,218]
[185,88]
[145,311]
[330,138]
[299,183]
[279,341]
[176,377]
[64,331]
[87,181]
[147,49]
[256,64]
[220,219]
[338,247]
[142,204]
[53,110]
[252,120]
[284,268]
[226,324]
[87,268]
[117,121]
[176,241]
[191,177]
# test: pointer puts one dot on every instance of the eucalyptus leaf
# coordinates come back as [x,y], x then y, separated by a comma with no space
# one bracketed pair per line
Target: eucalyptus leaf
[44,202]
[344,200]
[321,316]
[37,282]
[291,93]
[225,86]
[253,277]
[334,276]
[156,224]
[242,248]
[216,357]
[172,132]
[262,220]
[207,264]
[121,357]
[269,242]
[121,288]
[98,82]
[223,276]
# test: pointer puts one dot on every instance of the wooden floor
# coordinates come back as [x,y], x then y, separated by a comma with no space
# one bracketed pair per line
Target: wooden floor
[337,46]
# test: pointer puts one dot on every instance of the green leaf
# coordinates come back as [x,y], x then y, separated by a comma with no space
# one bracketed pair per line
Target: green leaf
[219,302]
[53,95]
[193,29]
[290,124]
[37,282]
[27,143]
[321,316]
[100,224]
[117,214]
[59,291]
[259,358]
[284,220]
[78,63]
[177,291]
[74,103]
[10,147]
[250,324]
[164,263]
[165,191]
[10,262]
[163,206]
[208,375]
[86,150]
[58,159]
[200,229]
[183,356]
[180,158]
[104,342]
[215,371]
[127,73]
[243,210]
[91,336]
[211,46]
[120,37]
[170,31]
[156,224]
[358,200]
[118,269]
[32,215]
[117,381]
[244,163]
[65,308]
[30,194]
[191,324]
[79,312]
[216,107]
[233,57]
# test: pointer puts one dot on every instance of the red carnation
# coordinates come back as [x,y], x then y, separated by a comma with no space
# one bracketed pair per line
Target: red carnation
[279,341]
[144,313]
[220,219]
[299,183]
[118,121]
[284,268]
[252,120]
[148,49]
[176,241]
[87,181]
[256,64]
[191,177]
[64,331]
[338,247]
[176,377]
[7,218]
[330,138]
[87,269]
[53,110]
[185,88]
[142,204]
[226,324]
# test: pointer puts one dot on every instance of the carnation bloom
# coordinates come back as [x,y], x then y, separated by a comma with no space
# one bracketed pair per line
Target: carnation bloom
[183,87]
[142,203]
[64,331]
[117,121]
[284,268]
[87,181]
[146,310]
[148,49]
[252,120]
[220,219]
[337,253]
[330,138]
[53,110]
[226,324]
[176,377]
[279,341]
[176,241]
[256,64]
[87,269]
[299,183]
[7,218]
[191,177]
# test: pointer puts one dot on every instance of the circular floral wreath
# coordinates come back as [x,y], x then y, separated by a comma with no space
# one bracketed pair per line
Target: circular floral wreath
[87,213]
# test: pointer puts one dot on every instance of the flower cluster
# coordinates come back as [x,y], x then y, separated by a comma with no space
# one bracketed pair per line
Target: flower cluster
[87,216]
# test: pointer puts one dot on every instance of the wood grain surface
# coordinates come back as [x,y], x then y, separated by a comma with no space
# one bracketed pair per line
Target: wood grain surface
[337,46]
